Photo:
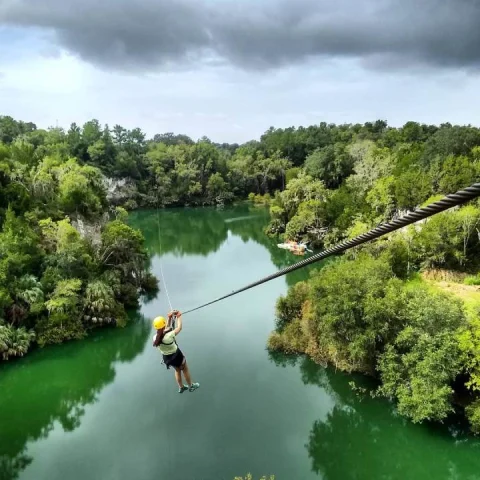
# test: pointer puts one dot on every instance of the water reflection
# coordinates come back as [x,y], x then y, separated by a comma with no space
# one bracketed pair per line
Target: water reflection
[10,467]
[182,231]
[202,231]
[363,438]
[248,415]
[55,385]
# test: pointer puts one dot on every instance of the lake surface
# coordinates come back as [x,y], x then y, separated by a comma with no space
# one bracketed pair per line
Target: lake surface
[106,408]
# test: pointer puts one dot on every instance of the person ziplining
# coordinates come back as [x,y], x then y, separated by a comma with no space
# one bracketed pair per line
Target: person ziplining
[165,341]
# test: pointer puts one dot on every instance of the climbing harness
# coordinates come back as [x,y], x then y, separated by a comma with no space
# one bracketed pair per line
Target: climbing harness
[445,203]
[174,354]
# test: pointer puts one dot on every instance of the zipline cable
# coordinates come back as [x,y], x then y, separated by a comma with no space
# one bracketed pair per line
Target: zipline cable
[445,203]
[161,268]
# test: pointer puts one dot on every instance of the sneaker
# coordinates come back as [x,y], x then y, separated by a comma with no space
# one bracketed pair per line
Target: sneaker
[194,386]
[181,390]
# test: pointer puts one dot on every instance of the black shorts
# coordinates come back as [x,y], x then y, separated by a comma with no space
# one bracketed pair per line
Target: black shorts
[174,360]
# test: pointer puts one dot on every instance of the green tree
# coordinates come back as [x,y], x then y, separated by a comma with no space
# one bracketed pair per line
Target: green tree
[370,164]
[44,181]
[207,160]
[64,314]
[473,415]
[65,299]
[22,152]
[9,129]
[309,222]
[18,247]
[289,307]
[331,164]
[343,206]
[170,138]
[80,189]
[412,188]
[122,249]
[100,305]
[217,189]
[76,144]
[412,132]
[381,199]
[51,278]
[447,240]
[67,254]
[102,152]
[469,344]
[457,173]
[91,132]
[14,342]
[358,310]
[303,203]
[450,140]
[26,293]
[417,369]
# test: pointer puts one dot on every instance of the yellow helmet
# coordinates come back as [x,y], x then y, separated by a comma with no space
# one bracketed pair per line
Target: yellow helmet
[159,323]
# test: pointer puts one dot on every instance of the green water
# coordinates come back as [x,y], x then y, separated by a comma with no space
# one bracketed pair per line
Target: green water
[106,408]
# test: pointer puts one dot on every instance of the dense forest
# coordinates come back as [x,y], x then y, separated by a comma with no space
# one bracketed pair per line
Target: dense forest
[69,262]
[405,309]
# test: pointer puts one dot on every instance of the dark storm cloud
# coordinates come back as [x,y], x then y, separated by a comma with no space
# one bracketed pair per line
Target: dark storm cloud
[146,34]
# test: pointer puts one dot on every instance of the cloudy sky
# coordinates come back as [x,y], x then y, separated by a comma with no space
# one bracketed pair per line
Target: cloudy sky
[230,69]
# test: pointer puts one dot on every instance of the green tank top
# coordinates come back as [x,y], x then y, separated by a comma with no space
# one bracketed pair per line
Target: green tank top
[168,346]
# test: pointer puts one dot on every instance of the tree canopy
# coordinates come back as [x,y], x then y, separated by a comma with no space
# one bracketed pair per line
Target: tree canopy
[323,183]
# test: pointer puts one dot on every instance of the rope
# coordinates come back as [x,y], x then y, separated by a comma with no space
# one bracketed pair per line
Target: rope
[447,202]
[161,268]
[166,288]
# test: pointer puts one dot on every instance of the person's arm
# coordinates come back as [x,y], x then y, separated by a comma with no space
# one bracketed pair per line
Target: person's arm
[156,340]
[170,319]
[178,328]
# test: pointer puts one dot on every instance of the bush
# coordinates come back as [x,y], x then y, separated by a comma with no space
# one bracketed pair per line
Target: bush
[419,366]
[359,316]
[149,284]
[14,342]
[473,280]
[130,204]
[292,173]
[355,304]
[473,414]
[129,295]
[260,199]
[59,328]
[289,307]
[290,340]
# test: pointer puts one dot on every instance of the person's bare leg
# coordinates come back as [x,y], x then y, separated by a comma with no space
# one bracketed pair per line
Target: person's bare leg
[186,374]
[178,378]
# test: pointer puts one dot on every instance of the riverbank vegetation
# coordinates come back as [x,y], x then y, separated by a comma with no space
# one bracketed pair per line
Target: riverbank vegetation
[66,265]
[376,311]
[358,315]
[166,170]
